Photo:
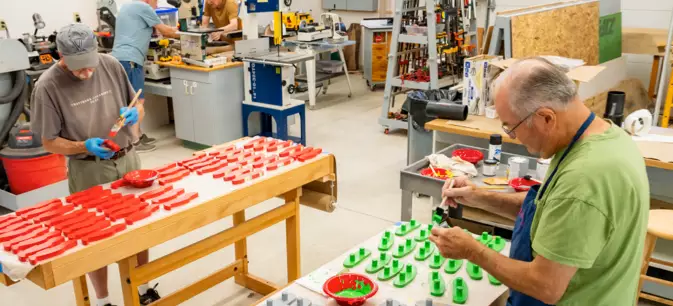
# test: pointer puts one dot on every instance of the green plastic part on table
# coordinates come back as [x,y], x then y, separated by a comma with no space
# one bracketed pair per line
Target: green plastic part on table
[474,271]
[387,241]
[404,249]
[493,280]
[436,218]
[497,243]
[378,263]
[426,249]
[356,258]
[407,227]
[459,290]
[424,233]
[485,238]
[453,265]
[437,284]
[436,261]
[390,271]
[406,276]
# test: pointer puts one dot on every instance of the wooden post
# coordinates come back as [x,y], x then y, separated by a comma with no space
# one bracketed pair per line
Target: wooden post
[241,251]
[81,291]
[292,233]
[129,287]
[650,242]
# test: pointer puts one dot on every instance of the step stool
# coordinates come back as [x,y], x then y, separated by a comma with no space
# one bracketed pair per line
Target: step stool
[658,227]
[279,114]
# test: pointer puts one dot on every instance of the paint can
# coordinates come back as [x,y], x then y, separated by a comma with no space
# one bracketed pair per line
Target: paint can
[489,167]
[517,167]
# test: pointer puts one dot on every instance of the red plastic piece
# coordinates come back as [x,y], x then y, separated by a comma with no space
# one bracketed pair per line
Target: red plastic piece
[53,213]
[9,221]
[95,227]
[253,142]
[225,156]
[296,154]
[247,177]
[221,151]
[122,206]
[23,245]
[234,174]
[141,214]
[93,196]
[119,184]
[60,219]
[7,236]
[14,226]
[40,231]
[222,172]
[194,167]
[290,150]
[34,207]
[201,159]
[98,202]
[167,167]
[52,252]
[283,162]
[155,193]
[127,211]
[23,255]
[168,196]
[86,192]
[125,200]
[344,281]
[68,231]
[36,212]
[181,200]
[70,222]
[113,146]
[191,159]
[212,168]
[264,161]
[250,159]
[307,156]
[171,172]
[469,155]
[174,178]
[105,233]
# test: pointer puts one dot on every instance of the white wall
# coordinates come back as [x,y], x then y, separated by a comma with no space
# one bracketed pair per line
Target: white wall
[18,14]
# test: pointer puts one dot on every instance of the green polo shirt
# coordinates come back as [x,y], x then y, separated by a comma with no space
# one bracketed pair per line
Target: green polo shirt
[593,216]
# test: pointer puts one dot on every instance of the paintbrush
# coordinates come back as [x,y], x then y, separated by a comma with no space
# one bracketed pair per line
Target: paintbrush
[452,182]
[120,122]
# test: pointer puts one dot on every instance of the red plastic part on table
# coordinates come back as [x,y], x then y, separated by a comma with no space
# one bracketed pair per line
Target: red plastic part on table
[181,200]
[60,219]
[253,142]
[141,214]
[123,213]
[93,196]
[155,193]
[11,220]
[174,178]
[36,212]
[70,222]
[123,205]
[53,213]
[23,255]
[171,172]
[212,168]
[264,161]
[102,234]
[224,171]
[225,156]
[296,154]
[40,231]
[469,155]
[82,193]
[307,156]
[119,184]
[233,174]
[69,230]
[7,236]
[52,252]
[14,226]
[189,160]
[201,159]
[166,167]
[85,231]
[168,196]
[34,207]
[250,159]
[220,151]
[290,150]
[125,200]
[345,281]
[283,162]
[101,201]
[240,179]
[24,245]
[194,167]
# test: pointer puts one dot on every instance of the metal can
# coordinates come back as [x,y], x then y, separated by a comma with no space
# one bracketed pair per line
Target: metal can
[518,167]
[489,168]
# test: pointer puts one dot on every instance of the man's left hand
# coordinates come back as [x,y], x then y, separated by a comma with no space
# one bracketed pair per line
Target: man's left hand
[454,242]
[215,36]
[130,115]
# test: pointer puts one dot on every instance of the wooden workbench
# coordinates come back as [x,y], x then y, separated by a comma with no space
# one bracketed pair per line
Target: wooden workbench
[214,203]
[199,68]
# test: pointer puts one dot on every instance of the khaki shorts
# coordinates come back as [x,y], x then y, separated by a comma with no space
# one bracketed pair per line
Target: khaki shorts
[84,174]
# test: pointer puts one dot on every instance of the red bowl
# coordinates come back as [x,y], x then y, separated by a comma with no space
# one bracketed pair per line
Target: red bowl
[345,281]
[521,184]
[141,178]
[471,155]
[442,173]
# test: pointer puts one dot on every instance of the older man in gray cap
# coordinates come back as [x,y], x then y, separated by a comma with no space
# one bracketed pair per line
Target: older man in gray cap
[76,102]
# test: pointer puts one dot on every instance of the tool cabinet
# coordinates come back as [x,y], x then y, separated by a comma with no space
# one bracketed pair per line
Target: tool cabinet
[376,47]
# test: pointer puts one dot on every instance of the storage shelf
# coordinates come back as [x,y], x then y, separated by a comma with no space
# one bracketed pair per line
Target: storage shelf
[443,82]
[413,39]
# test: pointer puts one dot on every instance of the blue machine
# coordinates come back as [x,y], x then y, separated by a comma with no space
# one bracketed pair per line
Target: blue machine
[262,6]
[266,84]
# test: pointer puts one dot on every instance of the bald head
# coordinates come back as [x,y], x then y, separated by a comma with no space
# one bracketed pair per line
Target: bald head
[535,82]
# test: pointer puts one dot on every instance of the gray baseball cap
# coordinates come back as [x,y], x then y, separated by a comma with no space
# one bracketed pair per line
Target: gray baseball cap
[78,47]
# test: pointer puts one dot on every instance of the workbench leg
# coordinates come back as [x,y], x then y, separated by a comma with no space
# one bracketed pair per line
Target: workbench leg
[654,76]
[407,198]
[129,287]
[81,291]
[348,79]
[310,79]
[292,233]
[241,251]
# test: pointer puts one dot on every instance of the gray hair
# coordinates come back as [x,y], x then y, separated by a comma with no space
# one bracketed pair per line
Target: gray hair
[533,83]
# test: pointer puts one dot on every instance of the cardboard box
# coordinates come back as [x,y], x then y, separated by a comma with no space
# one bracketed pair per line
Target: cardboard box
[476,83]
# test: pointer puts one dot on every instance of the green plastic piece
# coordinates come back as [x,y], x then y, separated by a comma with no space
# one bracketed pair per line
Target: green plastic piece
[437,284]
[497,244]
[436,219]
[459,291]
[356,258]
[387,241]
[404,249]
[453,265]
[378,263]
[406,276]
[424,233]
[485,238]
[493,280]
[474,271]
[426,249]
[407,227]
[436,261]
[390,271]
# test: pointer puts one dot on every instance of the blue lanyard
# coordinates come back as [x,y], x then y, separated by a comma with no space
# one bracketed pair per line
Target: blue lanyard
[577,136]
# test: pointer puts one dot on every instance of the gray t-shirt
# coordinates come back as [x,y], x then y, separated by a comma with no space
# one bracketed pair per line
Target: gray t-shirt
[67,107]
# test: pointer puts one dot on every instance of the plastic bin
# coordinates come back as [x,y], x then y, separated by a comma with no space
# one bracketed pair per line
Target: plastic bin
[416,30]
[168,16]
[330,66]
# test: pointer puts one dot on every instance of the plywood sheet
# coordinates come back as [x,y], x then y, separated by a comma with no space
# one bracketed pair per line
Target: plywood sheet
[570,31]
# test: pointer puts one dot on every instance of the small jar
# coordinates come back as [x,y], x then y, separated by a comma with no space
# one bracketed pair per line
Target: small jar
[489,168]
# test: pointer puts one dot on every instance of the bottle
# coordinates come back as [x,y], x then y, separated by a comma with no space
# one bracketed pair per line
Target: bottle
[495,147]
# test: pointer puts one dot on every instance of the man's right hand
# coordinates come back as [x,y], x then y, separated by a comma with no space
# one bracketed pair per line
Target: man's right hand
[95,147]
[463,191]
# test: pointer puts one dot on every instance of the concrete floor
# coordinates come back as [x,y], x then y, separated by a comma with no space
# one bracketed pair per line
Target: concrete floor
[369,200]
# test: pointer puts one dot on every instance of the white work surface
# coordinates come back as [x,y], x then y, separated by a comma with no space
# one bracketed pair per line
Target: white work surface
[480,292]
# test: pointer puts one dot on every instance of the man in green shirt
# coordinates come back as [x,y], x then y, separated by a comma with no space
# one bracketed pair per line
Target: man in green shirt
[578,238]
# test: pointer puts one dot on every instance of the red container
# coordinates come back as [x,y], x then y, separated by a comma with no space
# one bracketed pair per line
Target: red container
[141,178]
[345,281]
[470,155]
[521,184]
[26,174]
[442,173]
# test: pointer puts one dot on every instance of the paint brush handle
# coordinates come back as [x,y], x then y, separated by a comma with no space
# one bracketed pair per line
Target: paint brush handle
[133,102]
[451,183]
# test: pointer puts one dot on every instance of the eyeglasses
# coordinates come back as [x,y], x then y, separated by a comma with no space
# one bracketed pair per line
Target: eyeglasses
[510,132]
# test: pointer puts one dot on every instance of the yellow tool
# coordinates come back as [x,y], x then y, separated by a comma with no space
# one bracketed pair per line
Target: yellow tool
[277,28]
[165,53]
[294,20]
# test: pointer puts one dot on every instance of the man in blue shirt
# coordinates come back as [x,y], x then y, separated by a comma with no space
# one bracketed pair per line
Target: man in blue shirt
[136,22]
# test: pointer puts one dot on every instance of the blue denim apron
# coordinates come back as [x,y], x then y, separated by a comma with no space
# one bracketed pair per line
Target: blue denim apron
[521,245]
